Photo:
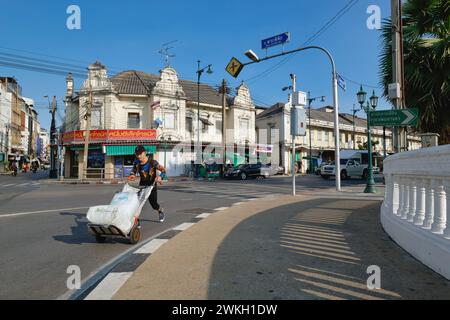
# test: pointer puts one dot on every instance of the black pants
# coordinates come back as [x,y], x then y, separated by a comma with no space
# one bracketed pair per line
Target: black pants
[153,199]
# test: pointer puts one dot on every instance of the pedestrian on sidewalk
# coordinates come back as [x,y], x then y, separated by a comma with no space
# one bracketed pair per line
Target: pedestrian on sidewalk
[146,166]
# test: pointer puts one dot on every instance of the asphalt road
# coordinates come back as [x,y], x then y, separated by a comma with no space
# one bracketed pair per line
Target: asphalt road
[43,225]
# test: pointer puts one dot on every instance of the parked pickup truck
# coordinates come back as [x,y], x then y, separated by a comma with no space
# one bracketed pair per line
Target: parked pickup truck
[351,166]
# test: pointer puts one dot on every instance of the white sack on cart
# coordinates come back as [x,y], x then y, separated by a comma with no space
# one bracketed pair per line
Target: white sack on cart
[119,213]
[100,215]
[126,205]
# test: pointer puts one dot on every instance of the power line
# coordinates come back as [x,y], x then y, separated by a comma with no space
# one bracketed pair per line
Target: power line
[21,57]
[48,56]
[317,34]
[359,83]
[39,69]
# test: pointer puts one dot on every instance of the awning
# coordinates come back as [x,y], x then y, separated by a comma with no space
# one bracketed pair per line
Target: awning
[81,148]
[126,150]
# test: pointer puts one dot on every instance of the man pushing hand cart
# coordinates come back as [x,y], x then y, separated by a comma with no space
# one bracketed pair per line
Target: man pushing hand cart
[121,217]
[146,167]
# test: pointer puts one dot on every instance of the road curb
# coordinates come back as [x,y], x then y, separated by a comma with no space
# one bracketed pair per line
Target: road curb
[109,282]
[49,181]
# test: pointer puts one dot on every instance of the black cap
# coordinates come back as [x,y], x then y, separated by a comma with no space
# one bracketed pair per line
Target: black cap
[139,150]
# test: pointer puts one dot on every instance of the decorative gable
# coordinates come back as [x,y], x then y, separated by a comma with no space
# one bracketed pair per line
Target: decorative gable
[168,84]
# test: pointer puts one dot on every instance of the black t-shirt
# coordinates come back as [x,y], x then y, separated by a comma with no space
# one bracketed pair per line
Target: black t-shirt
[147,172]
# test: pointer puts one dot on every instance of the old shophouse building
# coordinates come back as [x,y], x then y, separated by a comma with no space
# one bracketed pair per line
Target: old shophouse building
[157,111]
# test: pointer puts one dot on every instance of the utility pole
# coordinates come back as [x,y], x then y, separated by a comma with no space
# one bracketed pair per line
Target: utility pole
[8,125]
[53,150]
[87,117]
[293,119]
[224,91]
[354,127]
[310,138]
[61,156]
[399,133]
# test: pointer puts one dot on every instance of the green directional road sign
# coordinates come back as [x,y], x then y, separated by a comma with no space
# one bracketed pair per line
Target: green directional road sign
[395,118]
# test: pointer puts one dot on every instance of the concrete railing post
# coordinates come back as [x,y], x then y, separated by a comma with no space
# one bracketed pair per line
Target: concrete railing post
[429,204]
[405,209]
[447,196]
[412,200]
[395,194]
[401,193]
[439,208]
[421,195]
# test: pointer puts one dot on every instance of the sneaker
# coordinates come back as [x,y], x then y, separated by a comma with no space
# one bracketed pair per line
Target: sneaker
[162,216]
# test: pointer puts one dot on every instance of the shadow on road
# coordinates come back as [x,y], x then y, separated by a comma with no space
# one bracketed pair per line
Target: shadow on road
[79,234]
[318,249]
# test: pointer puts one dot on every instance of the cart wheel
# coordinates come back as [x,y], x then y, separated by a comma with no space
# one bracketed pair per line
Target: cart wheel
[135,235]
[100,239]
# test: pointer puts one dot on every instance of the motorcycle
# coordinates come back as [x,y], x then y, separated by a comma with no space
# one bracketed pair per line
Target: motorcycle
[13,169]
[34,167]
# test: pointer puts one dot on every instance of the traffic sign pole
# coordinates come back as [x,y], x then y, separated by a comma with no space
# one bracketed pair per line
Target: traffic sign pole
[335,98]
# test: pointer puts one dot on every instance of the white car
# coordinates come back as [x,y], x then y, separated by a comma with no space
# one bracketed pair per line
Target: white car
[349,168]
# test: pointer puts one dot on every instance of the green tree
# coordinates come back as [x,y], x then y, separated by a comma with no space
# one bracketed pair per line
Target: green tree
[426,40]
[364,145]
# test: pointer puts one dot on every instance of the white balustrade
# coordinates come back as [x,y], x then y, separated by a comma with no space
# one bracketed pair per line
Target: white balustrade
[416,207]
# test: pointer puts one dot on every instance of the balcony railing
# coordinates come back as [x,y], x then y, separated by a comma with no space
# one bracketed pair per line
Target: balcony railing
[416,207]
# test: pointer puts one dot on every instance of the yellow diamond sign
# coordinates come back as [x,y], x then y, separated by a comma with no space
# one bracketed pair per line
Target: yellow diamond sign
[234,67]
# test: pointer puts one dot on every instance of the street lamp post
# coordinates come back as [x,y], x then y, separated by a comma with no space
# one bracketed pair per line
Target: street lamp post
[310,100]
[53,133]
[354,127]
[199,147]
[370,186]
[250,54]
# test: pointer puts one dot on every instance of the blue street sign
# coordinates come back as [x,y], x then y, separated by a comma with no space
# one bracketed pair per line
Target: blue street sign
[341,82]
[276,40]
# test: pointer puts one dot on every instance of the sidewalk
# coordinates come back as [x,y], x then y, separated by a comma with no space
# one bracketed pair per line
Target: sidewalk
[301,247]
[111,181]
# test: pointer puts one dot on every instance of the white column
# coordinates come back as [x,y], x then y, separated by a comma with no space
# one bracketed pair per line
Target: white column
[412,200]
[420,210]
[429,204]
[447,196]
[387,198]
[439,208]
[395,194]
[401,193]
[405,210]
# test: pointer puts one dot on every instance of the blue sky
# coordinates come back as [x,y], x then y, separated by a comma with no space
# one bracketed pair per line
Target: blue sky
[127,35]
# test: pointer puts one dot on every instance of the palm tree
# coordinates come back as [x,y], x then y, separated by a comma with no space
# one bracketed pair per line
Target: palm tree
[427,62]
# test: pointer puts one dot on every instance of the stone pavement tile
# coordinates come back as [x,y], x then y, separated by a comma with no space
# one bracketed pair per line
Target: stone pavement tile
[285,248]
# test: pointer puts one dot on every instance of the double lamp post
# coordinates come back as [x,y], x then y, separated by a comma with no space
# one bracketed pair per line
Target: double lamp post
[370,186]
[199,146]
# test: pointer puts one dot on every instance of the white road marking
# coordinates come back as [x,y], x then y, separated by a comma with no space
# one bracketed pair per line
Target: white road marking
[23,184]
[203,215]
[183,226]
[152,246]
[238,203]
[8,185]
[34,212]
[109,286]
[221,208]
